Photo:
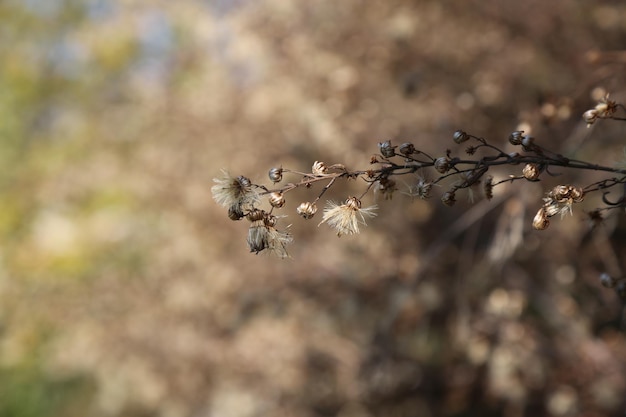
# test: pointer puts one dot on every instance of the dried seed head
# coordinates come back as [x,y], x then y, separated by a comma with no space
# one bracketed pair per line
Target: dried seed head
[307,210]
[541,222]
[386,149]
[235,212]
[560,193]
[577,194]
[407,149]
[590,117]
[442,164]
[448,198]
[488,187]
[276,174]
[515,138]
[277,199]
[255,215]
[531,172]
[346,218]
[460,136]
[232,191]
[270,220]
[319,168]
[607,280]
[257,237]
[421,189]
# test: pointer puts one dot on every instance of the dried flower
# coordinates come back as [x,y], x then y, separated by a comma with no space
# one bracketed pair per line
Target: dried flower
[319,168]
[460,136]
[257,236]
[235,212]
[515,138]
[277,199]
[346,218]
[407,149]
[263,234]
[386,149]
[307,210]
[531,172]
[541,222]
[234,192]
[442,164]
[421,189]
[276,174]
[561,198]
[256,215]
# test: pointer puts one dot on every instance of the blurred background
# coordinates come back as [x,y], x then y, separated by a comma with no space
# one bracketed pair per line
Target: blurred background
[126,291]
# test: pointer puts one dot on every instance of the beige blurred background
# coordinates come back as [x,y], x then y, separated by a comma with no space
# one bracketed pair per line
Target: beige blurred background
[126,291]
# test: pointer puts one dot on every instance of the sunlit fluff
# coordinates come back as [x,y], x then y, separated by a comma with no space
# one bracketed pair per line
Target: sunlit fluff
[232,191]
[346,218]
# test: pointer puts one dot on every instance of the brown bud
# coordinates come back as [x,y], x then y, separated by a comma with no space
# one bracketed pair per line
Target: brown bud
[531,172]
[541,222]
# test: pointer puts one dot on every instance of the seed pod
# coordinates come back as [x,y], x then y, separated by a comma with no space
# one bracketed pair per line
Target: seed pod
[386,149]
[541,222]
[276,174]
[277,199]
[269,220]
[460,136]
[244,181]
[515,138]
[442,164]
[307,210]
[235,212]
[531,172]
[255,215]
[407,149]
[319,168]
[577,194]
[560,193]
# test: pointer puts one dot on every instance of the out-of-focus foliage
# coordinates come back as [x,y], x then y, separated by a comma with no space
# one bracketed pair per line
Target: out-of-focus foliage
[126,291]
